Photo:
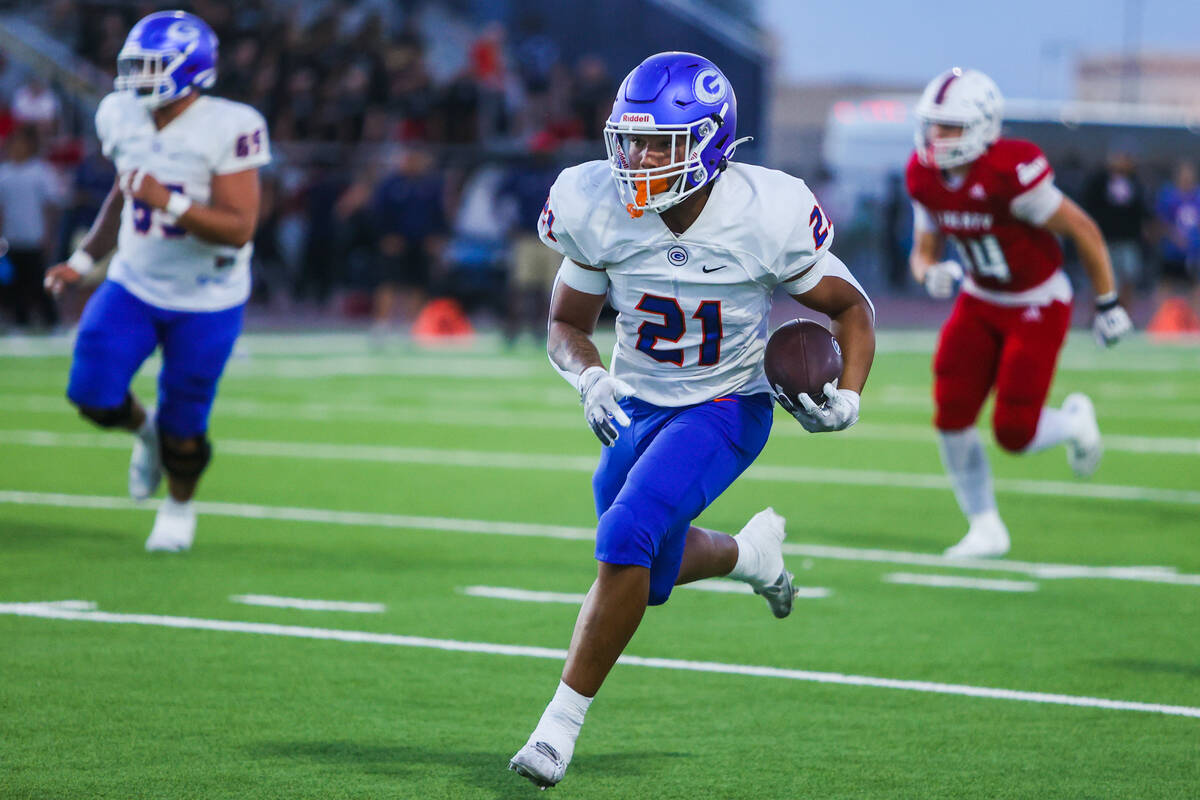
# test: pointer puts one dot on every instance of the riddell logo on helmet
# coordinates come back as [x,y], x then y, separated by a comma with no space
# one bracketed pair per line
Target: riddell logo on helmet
[627,117]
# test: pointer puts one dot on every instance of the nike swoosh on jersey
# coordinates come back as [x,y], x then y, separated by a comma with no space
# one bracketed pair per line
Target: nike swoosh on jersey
[714,269]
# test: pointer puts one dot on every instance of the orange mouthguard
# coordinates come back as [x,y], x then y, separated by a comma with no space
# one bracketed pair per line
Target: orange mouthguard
[645,186]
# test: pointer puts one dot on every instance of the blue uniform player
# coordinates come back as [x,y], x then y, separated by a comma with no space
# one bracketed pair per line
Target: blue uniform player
[689,248]
[181,215]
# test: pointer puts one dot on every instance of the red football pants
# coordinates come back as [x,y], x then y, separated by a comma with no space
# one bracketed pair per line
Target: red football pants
[1014,348]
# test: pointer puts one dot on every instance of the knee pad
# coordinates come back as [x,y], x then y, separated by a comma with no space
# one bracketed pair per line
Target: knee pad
[1014,428]
[120,416]
[185,457]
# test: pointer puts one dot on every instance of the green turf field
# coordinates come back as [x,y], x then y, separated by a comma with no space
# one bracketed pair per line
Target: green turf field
[410,479]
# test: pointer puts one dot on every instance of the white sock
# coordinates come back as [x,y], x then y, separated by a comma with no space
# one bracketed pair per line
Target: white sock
[146,431]
[1053,428]
[749,561]
[991,516]
[561,721]
[172,506]
[967,466]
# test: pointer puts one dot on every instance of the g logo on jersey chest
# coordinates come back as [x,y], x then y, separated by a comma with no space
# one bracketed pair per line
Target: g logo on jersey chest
[677,255]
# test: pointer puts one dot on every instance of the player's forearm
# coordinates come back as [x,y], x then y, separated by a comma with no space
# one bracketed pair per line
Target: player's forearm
[219,225]
[855,332]
[101,238]
[1093,254]
[570,348]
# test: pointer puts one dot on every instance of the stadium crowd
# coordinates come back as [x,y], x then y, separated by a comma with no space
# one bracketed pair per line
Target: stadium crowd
[409,166]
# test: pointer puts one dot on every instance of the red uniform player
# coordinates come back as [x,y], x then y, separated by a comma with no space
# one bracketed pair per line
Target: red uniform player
[996,201]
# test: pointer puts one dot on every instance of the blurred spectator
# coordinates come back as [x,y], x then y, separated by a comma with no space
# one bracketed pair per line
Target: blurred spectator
[30,195]
[11,78]
[897,232]
[532,265]
[408,207]
[92,180]
[35,104]
[1178,211]
[320,252]
[1116,199]
[593,96]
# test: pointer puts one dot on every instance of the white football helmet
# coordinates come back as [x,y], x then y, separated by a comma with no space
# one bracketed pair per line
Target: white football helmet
[959,97]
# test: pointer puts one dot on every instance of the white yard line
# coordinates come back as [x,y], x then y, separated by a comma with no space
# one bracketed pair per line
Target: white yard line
[558,419]
[1151,574]
[307,605]
[523,595]
[955,582]
[558,463]
[48,611]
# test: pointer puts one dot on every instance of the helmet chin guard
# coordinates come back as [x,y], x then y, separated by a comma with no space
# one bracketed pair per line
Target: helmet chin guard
[962,98]
[678,95]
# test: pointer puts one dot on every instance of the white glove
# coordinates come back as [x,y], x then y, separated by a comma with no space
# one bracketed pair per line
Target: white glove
[599,393]
[838,412]
[1112,321]
[942,279]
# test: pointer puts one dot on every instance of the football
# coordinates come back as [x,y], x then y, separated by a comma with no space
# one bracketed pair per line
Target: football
[802,356]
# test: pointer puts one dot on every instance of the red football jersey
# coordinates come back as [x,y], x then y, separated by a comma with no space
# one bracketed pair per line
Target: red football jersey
[1000,251]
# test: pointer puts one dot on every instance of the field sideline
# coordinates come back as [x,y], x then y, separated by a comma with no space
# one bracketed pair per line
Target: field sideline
[392,546]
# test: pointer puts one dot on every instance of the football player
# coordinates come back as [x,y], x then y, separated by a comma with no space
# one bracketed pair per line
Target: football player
[995,199]
[689,247]
[181,215]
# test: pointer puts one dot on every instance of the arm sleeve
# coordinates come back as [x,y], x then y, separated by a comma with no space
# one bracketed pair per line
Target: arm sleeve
[246,146]
[553,226]
[833,267]
[922,219]
[588,281]
[1038,204]
[809,240]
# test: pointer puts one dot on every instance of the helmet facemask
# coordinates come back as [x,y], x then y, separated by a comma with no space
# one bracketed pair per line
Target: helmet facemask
[658,188]
[149,74]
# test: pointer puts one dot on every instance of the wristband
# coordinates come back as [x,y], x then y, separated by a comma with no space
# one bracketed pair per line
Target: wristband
[177,204]
[81,261]
[1106,301]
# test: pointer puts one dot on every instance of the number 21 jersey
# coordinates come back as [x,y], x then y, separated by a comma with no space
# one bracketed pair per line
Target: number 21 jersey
[157,260]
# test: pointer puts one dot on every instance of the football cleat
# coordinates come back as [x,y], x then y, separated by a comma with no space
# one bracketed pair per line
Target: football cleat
[145,463]
[540,763]
[779,595]
[986,538]
[1085,447]
[174,527]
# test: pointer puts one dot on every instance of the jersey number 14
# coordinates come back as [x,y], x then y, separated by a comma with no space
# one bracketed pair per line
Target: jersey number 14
[983,256]
[673,326]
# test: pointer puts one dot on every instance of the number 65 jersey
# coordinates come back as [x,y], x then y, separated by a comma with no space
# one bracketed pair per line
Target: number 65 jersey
[993,218]
[692,309]
[157,260]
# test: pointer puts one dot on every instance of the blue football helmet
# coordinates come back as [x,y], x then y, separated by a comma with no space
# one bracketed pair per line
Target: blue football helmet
[678,95]
[165,55]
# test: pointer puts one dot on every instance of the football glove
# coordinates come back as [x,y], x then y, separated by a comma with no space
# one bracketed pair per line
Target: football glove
[1112,321]
[599,393]
[838,412]
[942,279]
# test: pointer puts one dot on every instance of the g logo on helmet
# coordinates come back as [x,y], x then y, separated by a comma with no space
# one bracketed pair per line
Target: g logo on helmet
[183,31]
[677,256]
[709,87]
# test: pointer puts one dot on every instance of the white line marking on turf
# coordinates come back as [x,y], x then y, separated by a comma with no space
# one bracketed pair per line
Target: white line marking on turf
[523,595]
[727,586]
[461,417]
[955,582]
[307,605]
[48,611]
[559,463]
[1149,574]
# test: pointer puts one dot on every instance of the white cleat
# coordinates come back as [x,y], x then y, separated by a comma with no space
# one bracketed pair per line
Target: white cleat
[765,532]
[1085,447]
[174,527]
[986,538]
[145,464]
[540,763]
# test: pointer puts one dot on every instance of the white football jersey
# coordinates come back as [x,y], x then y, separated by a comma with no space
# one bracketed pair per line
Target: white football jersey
[692,309]
[156,260]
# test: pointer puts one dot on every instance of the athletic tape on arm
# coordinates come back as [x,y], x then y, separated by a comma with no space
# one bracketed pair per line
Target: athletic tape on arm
[588,281]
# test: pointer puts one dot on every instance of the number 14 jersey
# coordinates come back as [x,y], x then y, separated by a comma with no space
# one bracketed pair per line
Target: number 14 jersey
[992,217]
[692,309]
[156,260]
